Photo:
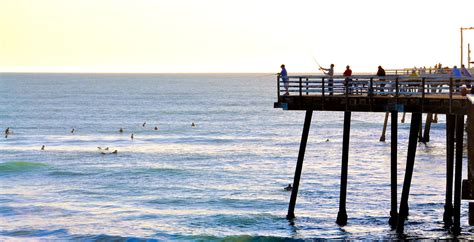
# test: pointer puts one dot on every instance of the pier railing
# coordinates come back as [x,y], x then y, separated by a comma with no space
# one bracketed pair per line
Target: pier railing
[367,85]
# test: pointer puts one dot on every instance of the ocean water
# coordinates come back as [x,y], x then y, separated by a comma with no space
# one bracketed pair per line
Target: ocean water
[220,180]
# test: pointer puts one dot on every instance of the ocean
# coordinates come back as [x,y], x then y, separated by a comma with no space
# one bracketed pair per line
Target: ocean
[222,179]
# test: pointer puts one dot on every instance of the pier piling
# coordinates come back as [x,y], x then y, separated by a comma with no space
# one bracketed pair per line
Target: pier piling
[448,206]
[412,143]
[426,132]
[342,214]
[393,169]
[456,230]
[385,121]
[403,96]
[299,164]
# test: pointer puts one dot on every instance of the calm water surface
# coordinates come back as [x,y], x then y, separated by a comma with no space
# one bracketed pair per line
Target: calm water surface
[222,179]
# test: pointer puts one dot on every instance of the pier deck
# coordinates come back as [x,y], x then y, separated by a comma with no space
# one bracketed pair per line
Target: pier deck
[362,93]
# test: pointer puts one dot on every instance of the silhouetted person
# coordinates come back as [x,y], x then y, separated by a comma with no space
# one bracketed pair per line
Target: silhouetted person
[42,147]
[330,74]
[7,132]
[156,127]
[288,188]
[121,130]
[131,137]
[381,72]
[193,125]
[143,125]
[72,130]
[284,77]
[348,73]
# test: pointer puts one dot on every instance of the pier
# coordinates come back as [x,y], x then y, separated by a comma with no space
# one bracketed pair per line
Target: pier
[391,94]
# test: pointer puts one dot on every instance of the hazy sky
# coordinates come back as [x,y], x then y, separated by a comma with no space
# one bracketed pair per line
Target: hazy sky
[229,35]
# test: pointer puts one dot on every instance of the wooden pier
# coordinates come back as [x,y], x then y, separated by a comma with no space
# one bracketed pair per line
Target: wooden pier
[432,94]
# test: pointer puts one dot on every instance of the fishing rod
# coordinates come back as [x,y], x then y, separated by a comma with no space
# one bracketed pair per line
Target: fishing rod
[320,67]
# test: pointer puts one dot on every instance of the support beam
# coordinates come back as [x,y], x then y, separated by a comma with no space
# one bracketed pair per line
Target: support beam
[342,214]
[470,163]
[299,164]
[414,128]
[393,170]
[382,137]
[420,133]
[448,206]
[456,230]
[426,133]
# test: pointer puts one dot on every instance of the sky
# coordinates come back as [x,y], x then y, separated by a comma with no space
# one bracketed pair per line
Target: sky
[229,35]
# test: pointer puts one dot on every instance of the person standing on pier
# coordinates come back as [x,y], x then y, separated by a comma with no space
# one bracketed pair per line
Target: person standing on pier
[284,77]
[456,73]
[348,73]
[381,72]
[330,74]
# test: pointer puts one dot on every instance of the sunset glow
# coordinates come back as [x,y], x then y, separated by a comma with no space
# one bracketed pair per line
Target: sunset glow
[229,36]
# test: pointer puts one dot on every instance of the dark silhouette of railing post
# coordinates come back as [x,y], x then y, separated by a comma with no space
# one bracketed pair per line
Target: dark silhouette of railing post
[397,89]
[451,95]
[299,164]
[307,86]
[278,85]
[322,86]
[301,86]
[456,230]
[414,126]
[342,214]
[393,169]
[448,206]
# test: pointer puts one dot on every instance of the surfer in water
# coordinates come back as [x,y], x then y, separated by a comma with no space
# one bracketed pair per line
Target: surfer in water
[288,188]
[7,132]
[121,130]
[42,147]
[108,153]
[193,125]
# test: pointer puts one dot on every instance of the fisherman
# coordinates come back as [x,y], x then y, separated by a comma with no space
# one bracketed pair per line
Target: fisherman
[284,77]
[330,74]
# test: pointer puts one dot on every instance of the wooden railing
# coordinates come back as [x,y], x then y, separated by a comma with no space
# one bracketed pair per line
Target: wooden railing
[390,86]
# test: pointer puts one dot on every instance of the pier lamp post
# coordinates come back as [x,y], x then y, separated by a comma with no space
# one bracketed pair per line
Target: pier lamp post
[469,62]
[470,28]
